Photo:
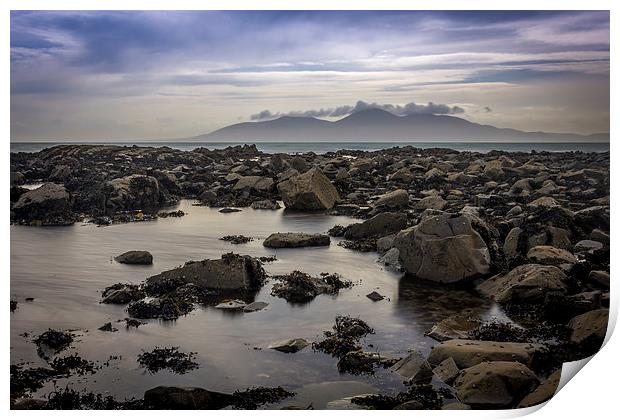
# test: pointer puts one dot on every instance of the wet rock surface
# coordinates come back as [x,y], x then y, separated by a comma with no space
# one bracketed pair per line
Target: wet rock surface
[135,257]
[295,240]
[298,287]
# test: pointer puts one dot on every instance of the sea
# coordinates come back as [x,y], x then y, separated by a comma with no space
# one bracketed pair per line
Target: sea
[324,147]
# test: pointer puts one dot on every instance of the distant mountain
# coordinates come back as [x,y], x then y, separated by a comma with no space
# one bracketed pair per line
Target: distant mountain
[378,125]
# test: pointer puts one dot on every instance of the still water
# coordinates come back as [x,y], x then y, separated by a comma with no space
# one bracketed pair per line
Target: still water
[65,268]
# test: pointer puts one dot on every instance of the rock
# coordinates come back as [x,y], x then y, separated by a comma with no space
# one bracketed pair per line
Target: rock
[544,392]
[454,326]
[599,277]
[434,202]
[229,210]
[443,248]
[385,243]
[402,175]
[375,296]
[467,353]
[511,243]
[495,384]
[309,191]
[414,368]
[526,283]
[410,405]
[121,294]
[134,192]
[298,287]
[17,178]
[292,345]
[591,325]
[257,183]
[185,398]
[515,211]
[544,254]
[456,406]
[296,240]
[28,403]
[232,305]
[299,164]
[231,272]
[599,236]
[107,327]
[543,202]
[265,205]
[447,371]
[396,199]
[587,245]
[379,225]
[50,203]
[255,306]
[135,257]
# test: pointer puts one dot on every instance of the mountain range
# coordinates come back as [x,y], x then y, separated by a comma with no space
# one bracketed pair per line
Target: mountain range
[379,125]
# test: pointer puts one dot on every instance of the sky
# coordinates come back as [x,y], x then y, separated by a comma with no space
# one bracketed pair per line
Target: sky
[102,75]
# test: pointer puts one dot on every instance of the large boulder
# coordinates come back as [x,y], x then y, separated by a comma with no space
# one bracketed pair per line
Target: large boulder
[443,248]
[133,192]
[396,199]
[48,203]
[591,325]
[295,240]
[380,225]
[526,283]
[231,272]
[544,392]
[185,398]
[467,353]
[135,257]
[495,384]
[309,191]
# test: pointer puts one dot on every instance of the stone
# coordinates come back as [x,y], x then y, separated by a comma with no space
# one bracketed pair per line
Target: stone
[414,368]
[544,392]
[311,190]
[467,353]
[45,203]
[255,306]
[591,325]
[257,183]
[133,192]
[385,243]
[296,240]
[543,202]
[599,236]
[443,248]
[231,272]
[232,305]
[456,406]
[265,205]
[402,175]
[396,199]
[380,225]
[375,296]
[292,345]
[600,278]
[587,245]
[511,243]
[434,202]
[447,370]
[185,398]
[545,254]
[495,384]
[454,326]
[135,257]
[526,283]
[391,258]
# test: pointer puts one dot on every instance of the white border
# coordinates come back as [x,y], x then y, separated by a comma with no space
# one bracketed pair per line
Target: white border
[592,395]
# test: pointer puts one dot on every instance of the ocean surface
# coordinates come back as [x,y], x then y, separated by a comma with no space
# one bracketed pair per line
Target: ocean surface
[65,269]
[323,147]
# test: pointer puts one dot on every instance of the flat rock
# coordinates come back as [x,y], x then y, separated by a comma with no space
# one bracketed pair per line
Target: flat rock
[545,254]
[454,326]
[255,306]
[375,296]
[232,305]
[296,240]
[292,345]
[467,353]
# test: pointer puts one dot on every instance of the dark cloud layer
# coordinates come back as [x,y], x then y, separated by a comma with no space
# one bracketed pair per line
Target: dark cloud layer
[407,109]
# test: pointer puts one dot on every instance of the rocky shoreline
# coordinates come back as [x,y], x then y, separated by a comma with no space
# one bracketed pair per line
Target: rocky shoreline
[529,231]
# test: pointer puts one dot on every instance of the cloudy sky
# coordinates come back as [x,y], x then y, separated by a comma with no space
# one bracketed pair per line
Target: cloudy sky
[157,75]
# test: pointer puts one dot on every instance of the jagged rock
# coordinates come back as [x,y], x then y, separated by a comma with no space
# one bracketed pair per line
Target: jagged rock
[591,325]
[309,191]
[122,293]
[443,248]
[296,240]
[135,257]
[231,272]
[467,353]
[414,368]
[447,370]
[265,205]
[495,384]
[544,254]
[375,296]
[380,225]
[454,326]
[133,192]
[396,199]
[526,283]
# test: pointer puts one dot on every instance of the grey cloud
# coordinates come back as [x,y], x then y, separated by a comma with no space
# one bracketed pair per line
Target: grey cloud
[407,109]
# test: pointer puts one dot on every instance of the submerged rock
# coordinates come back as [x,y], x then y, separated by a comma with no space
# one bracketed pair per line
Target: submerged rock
[295,240]
[167,358]
[443,248]
[309,191]
[292,345]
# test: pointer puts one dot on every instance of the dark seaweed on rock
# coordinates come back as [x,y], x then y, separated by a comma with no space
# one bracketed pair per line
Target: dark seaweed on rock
[252,398]
[364,245]
[167,358]
[52,341]
[72,363]
[298,287]
[30,379]
[69,399]
[164,308]
[425,395]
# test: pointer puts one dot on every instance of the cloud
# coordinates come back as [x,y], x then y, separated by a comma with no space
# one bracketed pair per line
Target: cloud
[407,109]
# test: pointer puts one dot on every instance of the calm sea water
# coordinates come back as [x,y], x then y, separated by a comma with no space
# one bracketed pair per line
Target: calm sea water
[65,268]
[323,147]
